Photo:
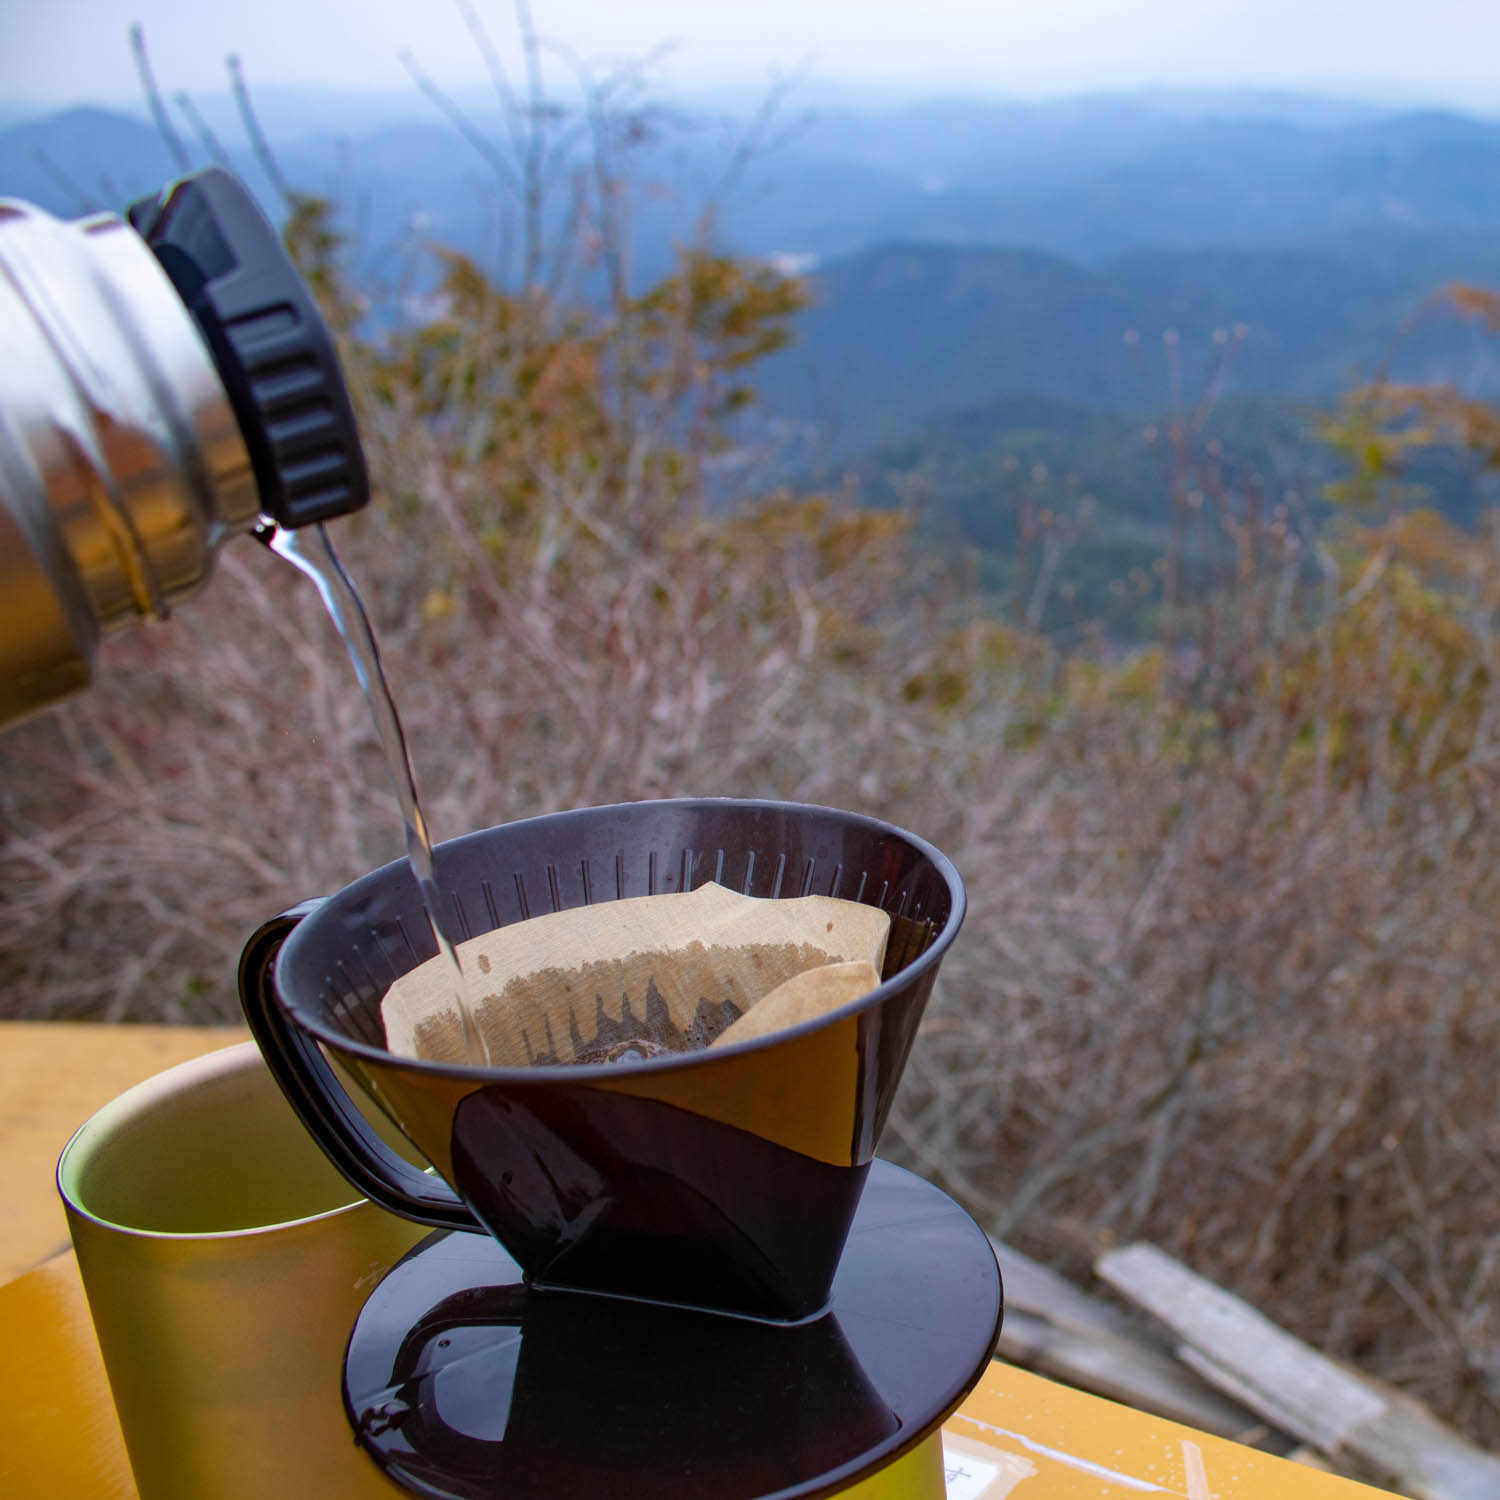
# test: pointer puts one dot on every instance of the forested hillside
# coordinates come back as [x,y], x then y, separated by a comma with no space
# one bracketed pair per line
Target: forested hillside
[898,333]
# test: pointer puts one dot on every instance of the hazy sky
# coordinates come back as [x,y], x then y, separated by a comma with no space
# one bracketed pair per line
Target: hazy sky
[1439,51]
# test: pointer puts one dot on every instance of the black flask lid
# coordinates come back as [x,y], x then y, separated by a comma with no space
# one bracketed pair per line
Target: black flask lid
[273,351]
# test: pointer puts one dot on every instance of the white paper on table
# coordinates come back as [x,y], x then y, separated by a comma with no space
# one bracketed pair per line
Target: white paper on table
[968,1476]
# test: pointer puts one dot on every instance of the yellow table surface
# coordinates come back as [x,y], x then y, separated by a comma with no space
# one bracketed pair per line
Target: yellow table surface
[1016,1435]
[53,1076]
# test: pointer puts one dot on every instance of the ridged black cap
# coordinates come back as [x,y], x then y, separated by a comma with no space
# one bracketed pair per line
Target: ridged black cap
[272,349]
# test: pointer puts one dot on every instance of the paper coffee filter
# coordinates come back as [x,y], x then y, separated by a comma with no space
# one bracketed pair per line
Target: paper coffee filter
[649,974]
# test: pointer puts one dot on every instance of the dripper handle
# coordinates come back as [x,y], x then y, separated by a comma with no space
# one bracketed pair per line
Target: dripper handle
[323,1104]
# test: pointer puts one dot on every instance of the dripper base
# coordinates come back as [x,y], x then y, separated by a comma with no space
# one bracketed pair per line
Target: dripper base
[462,1382]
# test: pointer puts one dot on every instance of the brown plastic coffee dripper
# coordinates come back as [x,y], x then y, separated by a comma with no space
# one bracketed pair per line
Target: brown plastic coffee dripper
[723,1179]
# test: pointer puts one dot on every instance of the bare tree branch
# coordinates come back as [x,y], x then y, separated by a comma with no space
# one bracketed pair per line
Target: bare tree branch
[170,139]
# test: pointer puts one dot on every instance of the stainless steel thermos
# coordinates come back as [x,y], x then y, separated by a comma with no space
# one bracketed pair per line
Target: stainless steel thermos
[166,382]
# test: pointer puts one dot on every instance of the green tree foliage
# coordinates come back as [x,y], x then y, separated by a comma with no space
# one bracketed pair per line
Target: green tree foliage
[526,381]
[1381,427]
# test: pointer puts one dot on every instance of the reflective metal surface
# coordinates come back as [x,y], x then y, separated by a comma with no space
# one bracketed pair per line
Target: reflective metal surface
[121,464]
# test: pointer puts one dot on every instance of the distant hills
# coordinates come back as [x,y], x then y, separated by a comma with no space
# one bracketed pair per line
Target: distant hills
[899,333]
[1095,178]
[1452,183]
[972,475]
[1084,179]
[81,160]
[975,267]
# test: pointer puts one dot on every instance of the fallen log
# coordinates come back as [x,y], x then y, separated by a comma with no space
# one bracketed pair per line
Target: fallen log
[1065,1333]
[1354,1420]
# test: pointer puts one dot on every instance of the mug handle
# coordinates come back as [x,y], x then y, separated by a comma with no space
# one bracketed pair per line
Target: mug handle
[321,1101]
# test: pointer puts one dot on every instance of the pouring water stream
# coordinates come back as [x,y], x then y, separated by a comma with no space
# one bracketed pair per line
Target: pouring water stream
[309,550]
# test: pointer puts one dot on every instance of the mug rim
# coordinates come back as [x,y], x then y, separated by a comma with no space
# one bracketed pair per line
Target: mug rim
[315,1027]
[135,1102]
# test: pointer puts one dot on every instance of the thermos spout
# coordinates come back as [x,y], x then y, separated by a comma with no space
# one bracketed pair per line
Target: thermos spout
[164,382]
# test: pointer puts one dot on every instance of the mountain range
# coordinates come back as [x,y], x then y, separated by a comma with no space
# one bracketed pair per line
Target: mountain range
[900,332]
[1083,179]
[974,267]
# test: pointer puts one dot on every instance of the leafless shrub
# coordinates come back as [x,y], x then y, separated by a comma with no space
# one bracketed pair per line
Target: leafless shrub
[1228,982]
[1217,988]
[1228,977]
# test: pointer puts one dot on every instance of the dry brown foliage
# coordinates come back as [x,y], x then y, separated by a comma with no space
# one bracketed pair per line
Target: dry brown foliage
[1228,980]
